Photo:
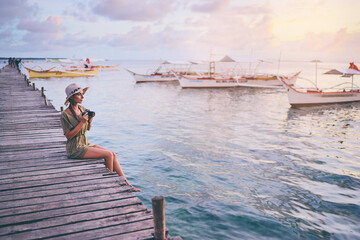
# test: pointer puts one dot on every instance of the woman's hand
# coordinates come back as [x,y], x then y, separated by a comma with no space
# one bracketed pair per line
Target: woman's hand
[90,119]
[84,118]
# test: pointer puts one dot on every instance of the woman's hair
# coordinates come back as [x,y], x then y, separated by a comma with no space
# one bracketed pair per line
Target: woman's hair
[71,100]
[72,103]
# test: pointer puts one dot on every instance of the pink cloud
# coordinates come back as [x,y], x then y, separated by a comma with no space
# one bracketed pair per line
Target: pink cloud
[137,36]
[210,6]
[51,25]
[252,10]
[324,41]
[339,46]
[43,35]
[80,11]
[139,10]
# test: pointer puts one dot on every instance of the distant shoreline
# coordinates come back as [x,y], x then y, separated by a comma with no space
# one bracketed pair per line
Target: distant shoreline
[29,58]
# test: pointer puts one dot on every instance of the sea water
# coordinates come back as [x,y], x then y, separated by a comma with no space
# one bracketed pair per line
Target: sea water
[235,163]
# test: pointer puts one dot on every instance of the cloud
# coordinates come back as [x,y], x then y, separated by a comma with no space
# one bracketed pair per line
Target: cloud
[40,35]
[139,10]
[339,46]
[16,9]
[323,41]
[137,36]
[142,38]
[210,6]
[4,35]
[80,11]
[255,9]
[51,25]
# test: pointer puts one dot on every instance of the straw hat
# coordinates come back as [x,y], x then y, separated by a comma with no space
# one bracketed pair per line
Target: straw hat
[73,89]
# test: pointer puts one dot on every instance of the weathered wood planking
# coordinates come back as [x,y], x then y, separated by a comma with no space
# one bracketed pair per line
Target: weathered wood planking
[43,194]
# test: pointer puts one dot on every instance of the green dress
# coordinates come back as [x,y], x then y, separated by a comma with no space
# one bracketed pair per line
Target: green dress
[79,144]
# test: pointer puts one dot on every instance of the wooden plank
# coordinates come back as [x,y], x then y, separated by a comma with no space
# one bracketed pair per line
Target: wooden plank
[40,153]
[80,230]
[55,217]
[30,132]
[146,234]
[111,230]
[59,198]
[43,168]
[25,147]
[34,181]
[39,174]
[5,139]
[84,204]
[17,143]
[59,191]
[27,165]
[80,181]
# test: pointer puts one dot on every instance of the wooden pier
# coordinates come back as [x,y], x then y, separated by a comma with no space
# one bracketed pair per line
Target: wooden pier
[43,194]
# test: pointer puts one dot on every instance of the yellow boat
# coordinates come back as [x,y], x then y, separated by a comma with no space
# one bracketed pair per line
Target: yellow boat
[61,73]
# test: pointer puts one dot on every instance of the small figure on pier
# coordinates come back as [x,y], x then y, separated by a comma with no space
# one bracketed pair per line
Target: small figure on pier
[75,121]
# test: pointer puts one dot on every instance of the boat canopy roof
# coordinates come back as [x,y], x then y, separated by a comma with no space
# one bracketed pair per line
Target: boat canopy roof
[227,59]
[179,62]
[345,71]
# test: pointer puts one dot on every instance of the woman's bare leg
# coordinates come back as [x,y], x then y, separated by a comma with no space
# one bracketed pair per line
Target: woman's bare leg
[117,167]
[101,153]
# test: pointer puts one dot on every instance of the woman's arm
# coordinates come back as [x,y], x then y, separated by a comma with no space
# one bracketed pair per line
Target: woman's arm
[72,133]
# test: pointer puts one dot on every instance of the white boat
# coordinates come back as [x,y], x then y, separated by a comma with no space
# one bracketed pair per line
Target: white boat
[218,81]
[298,97]
[164,72]
[154,77]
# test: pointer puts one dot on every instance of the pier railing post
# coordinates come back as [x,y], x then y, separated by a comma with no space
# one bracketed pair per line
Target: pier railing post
[42,91]
[34,86]
[46,101]
[158,206]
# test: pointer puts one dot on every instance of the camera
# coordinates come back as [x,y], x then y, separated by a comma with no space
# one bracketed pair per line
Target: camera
[90,113]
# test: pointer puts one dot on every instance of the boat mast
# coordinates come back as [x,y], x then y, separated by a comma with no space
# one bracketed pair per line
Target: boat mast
[278,65]
[316,62]
[211,65]
[251,53]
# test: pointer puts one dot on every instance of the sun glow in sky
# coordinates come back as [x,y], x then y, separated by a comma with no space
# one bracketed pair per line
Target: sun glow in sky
[181,29]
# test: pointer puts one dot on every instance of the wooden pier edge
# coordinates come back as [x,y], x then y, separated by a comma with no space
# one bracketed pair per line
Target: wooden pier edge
[43,194]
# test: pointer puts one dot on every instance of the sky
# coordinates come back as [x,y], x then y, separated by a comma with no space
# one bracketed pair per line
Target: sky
[328,30]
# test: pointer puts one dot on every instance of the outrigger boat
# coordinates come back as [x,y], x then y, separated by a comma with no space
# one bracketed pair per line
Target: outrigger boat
[232,79]
[106,68]
[153,77]
[98,67]
[262,81]
[61,73]
[335,94]
[164,73]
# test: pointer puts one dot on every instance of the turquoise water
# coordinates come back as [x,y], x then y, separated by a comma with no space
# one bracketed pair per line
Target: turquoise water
[231,163]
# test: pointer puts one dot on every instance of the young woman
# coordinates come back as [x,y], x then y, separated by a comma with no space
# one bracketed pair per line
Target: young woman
[75,122]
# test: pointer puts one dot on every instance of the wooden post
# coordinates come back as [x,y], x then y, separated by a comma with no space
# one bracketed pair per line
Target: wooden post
[61,108]
[158,205]
[42,91]
[34,86]
[46,101]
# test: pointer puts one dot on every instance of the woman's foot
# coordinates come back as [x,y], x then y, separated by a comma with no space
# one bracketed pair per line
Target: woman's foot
[135,189]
